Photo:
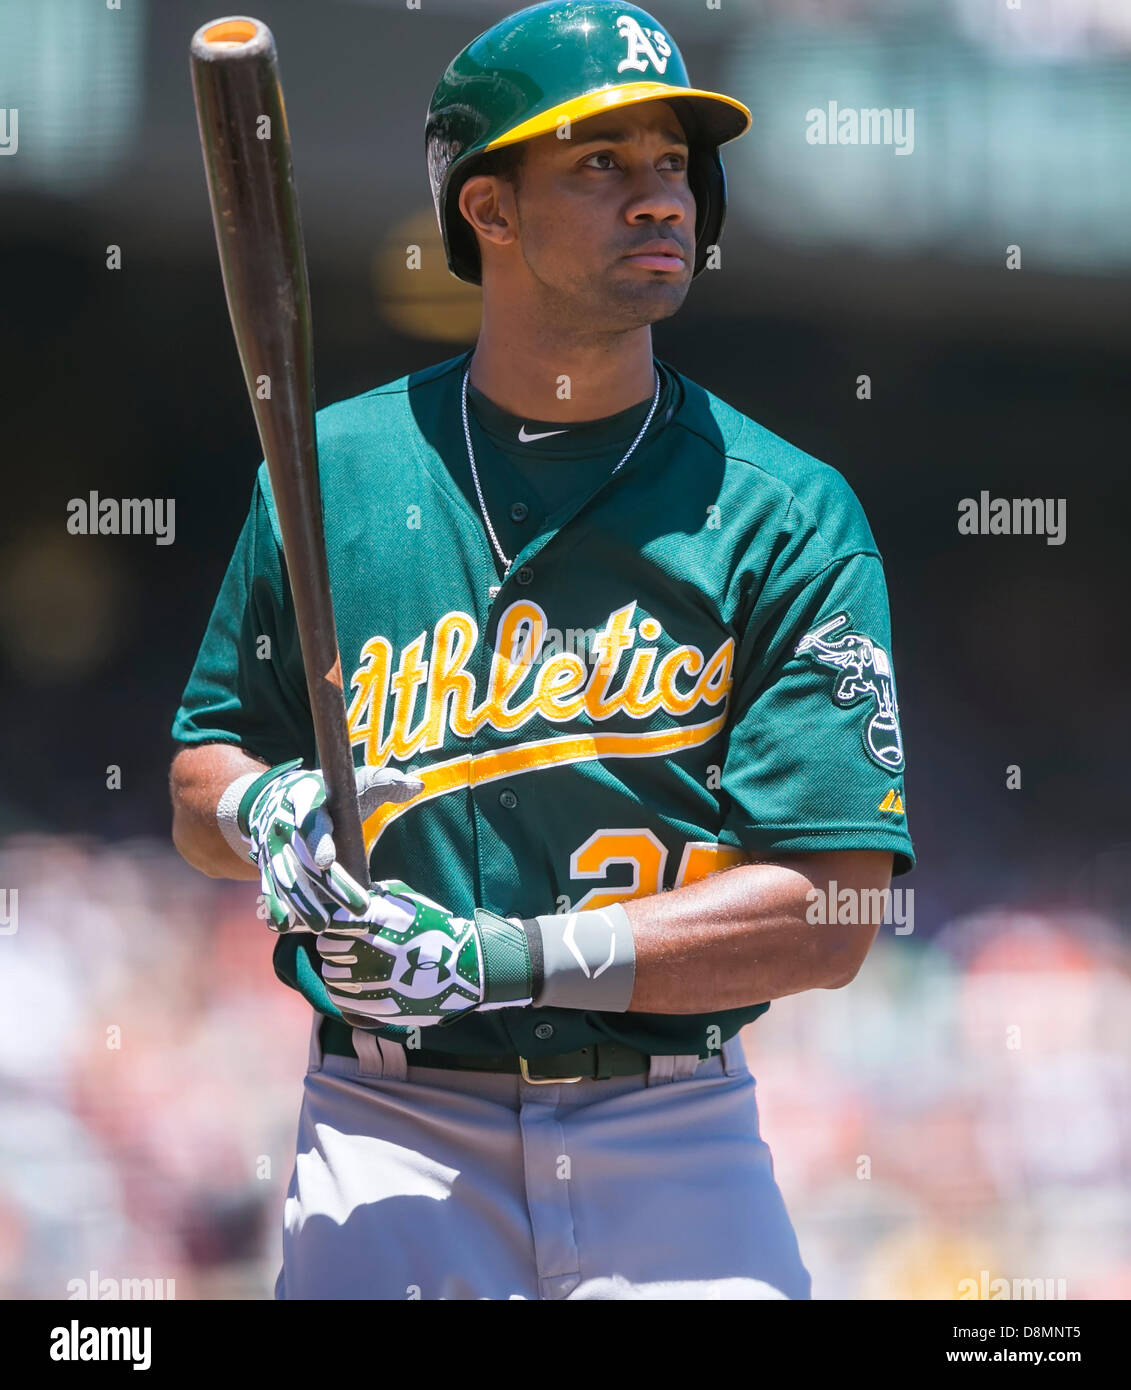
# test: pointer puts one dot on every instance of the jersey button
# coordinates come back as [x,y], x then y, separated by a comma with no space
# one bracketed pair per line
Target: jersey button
[508,799]
[519,511]
[543,1031]
[525,575]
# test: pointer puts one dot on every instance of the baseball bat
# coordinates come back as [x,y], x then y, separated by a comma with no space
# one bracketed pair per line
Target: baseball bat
[251,186]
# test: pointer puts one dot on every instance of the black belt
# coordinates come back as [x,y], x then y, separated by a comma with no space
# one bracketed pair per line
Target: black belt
[594,1063]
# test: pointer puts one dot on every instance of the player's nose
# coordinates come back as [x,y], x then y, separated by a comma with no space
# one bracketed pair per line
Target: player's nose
[657,199]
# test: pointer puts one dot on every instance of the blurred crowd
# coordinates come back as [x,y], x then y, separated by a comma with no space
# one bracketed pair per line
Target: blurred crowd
[960,1113]
[151,1071]
[962,1106]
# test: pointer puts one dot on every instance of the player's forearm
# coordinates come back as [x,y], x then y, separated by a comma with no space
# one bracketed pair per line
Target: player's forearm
[743,937]
[197,780]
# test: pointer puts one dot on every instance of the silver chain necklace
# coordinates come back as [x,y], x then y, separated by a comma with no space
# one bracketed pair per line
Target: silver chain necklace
[475,472]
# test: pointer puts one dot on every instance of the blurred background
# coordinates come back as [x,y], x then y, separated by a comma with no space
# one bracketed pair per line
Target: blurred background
[963,1106]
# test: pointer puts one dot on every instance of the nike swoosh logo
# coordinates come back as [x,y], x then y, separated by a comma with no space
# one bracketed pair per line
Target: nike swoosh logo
[524,438]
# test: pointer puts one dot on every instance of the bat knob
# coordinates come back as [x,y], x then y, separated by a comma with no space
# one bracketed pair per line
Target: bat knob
[221,37]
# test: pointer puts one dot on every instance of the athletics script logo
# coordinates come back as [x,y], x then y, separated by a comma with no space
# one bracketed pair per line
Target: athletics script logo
[867,673]
[405,704]
[644,46]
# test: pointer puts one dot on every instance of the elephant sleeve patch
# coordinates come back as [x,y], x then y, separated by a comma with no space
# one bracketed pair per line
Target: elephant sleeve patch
[862,671]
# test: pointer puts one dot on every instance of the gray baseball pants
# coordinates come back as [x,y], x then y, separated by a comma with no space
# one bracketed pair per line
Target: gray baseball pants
[419,1183]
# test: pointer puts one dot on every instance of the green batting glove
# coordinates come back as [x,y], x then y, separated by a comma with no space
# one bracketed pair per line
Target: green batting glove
[283,817]
[409,961]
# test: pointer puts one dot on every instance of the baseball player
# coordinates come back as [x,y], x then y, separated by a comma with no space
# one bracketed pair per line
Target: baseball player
[617,669]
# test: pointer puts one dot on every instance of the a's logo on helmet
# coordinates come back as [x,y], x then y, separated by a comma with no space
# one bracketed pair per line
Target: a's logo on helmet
[867,673]
[644,46]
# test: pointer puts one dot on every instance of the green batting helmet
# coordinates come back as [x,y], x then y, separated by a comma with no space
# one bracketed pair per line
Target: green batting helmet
[568,59]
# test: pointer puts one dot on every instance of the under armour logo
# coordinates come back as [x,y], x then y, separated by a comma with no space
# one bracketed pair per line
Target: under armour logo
[644,46]
[415,963]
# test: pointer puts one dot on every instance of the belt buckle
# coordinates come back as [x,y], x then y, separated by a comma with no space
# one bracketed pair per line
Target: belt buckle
[545,1080]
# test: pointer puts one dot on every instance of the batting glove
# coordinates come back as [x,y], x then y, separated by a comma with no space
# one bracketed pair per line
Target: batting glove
[409,961]
[283,817]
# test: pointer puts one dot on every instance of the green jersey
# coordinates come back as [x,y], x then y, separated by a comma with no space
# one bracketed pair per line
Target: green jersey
[687,664]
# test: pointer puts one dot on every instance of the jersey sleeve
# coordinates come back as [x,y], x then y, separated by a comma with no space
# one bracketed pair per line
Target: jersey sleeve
[247,686]
[815,756]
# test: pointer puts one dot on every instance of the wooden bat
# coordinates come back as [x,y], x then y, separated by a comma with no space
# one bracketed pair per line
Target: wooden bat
[247,161]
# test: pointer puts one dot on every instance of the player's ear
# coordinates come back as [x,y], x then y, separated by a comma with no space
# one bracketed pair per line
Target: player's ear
[488,203]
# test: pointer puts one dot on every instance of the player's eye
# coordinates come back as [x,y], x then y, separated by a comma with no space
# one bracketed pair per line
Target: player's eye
[674,161]
[603,155]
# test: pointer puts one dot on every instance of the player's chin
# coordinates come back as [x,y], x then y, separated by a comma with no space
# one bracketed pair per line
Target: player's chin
[649,300]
